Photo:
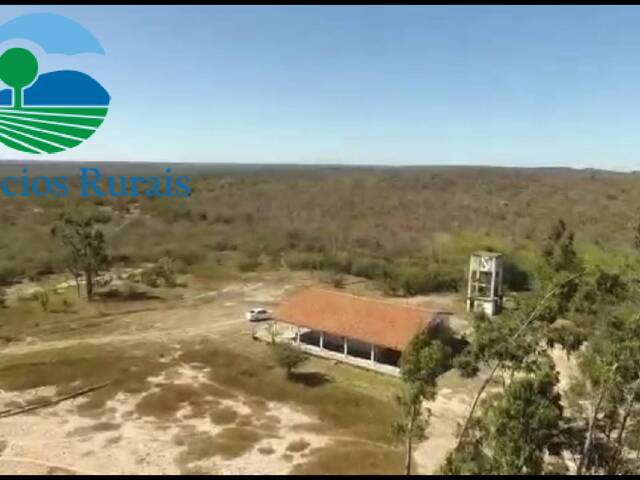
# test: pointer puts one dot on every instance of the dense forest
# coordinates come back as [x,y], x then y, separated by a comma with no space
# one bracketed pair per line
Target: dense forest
[409,228]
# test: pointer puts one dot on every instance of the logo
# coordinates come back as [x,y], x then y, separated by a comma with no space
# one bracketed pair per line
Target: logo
[47,112]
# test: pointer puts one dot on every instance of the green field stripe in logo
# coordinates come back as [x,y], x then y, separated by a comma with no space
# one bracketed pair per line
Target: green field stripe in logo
[31,141]
[11,143]
[51,137]
[46,123]
[71,133]
[80,133]
[80,111]
[70,120]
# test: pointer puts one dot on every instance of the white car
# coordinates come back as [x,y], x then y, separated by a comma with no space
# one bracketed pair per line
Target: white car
[258,314]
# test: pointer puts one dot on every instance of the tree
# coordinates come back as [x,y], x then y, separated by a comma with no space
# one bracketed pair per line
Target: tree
[162,273]
[566,334]
[558,251]
[513,342]
[86,249]
[636,236]
[43,299]
[515,429]
[609,390]
[288,357]
[412,424]
[423,360]
[427,356]
[18,68]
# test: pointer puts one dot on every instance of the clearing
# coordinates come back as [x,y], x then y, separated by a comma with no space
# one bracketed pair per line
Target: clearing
[189,390]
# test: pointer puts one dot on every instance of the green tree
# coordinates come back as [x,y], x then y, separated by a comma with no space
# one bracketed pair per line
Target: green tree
[288,357]
[517,425]
[567,334]
[428,355]
[18,68]
[608,392]
[412,424]
[559,251]
[424,359]
[85,248]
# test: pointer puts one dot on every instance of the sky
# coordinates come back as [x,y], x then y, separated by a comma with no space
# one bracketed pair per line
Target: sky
[412,85]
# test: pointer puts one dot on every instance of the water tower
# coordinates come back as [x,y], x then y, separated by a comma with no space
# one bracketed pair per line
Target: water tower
[484,287]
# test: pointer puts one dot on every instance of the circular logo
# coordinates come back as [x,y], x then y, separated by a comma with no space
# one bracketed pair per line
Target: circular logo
[53,111]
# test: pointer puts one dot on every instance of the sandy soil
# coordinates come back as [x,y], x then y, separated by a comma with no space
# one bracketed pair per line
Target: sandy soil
[448,410]
[58,440]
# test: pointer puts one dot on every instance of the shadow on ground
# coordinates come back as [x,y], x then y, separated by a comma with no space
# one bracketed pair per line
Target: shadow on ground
[309,379]
[115,295]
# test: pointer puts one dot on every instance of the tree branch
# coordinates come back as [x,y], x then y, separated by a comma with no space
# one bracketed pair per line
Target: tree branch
[499,364]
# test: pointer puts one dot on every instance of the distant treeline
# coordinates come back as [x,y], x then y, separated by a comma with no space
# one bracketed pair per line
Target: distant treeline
[410,228]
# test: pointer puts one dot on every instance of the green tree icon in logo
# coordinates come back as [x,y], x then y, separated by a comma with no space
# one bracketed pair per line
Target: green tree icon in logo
[18,68]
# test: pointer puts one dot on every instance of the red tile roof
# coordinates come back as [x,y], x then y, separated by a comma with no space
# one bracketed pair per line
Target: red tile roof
[379,322]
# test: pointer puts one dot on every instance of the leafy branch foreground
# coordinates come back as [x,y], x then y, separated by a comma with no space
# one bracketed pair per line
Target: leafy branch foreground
[499,364]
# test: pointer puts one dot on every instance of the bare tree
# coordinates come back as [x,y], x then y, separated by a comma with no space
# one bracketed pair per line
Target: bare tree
[85,246]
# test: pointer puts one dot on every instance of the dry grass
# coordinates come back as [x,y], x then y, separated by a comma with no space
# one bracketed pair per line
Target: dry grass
[25,318]
[298,446]
[340,407]
[223,415]
[59,471]
[344,458]
[165,402]
[233,442]
[113,440]
[96,427]
[199,446]
[79,365]
[337,404]
[266,450]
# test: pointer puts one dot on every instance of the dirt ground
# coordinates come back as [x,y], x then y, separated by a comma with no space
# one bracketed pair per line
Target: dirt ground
[227,431]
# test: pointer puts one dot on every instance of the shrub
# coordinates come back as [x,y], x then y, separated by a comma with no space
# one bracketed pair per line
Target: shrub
[466,364]
[249,264]
[368,268]
[100,216]
[288,357]
[150,278]
[188,256]
[43,300]
[336,280]
[9,273]
[67,304]
[414,280]
[162,273]
[223,244]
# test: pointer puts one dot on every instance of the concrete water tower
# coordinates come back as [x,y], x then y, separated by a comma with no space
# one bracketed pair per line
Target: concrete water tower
[484,287]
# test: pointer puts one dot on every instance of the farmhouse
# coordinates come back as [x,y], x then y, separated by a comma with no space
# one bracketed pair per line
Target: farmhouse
[364,331]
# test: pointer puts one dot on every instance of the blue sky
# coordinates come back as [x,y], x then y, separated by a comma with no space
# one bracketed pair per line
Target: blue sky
[518,86]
